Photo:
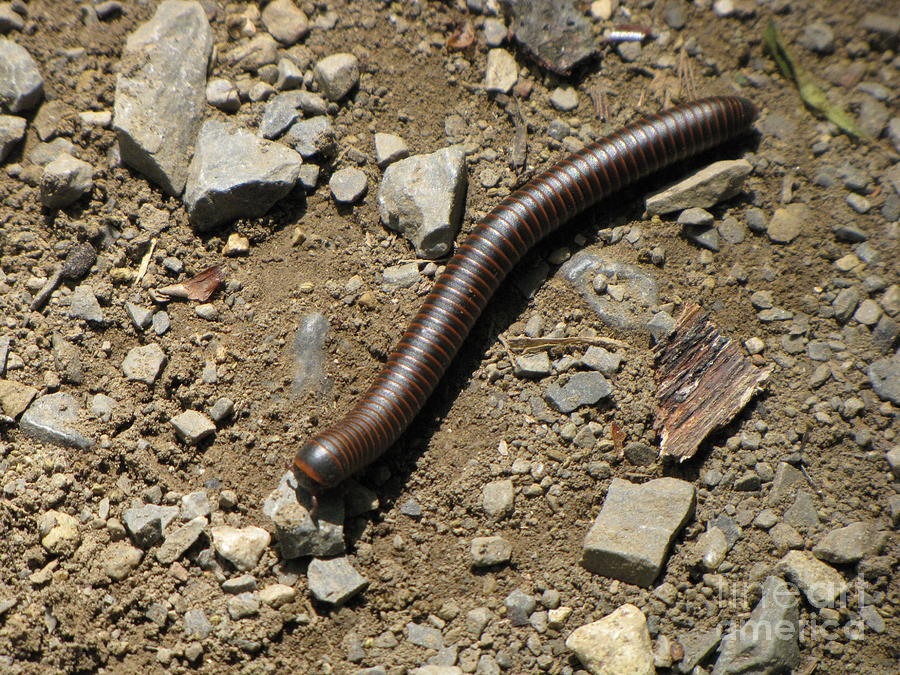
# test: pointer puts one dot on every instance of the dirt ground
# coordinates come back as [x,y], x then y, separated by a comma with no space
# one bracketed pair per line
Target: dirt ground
[73,619]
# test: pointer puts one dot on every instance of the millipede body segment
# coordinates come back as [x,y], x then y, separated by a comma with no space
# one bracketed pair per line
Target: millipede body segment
[484,259]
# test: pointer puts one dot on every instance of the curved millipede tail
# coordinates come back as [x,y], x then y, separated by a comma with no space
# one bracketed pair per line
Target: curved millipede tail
[484,259]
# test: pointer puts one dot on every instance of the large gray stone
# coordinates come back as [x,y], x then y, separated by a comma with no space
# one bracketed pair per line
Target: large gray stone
[423,197]
[631,536]
[48,420]
[849,544]
[334,581]
[707,187]
[298,535]
[768,642]
[161,92]
[234,174]
[65,180]
[337,74]
[21,84]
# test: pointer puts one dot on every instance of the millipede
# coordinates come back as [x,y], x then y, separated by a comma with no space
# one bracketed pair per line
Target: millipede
[483,260]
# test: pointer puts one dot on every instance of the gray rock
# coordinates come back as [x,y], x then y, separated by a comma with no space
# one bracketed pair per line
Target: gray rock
[401,276]
[223,95]
[488,551]
[140,316]
[285,21]
[298,535]
[102,406]
[599,359]
[348,185]
[221,410]
[707,187]
[705,237]
[768,642]
[242,547]
[818,37]
[697,645]
[661,325]
[83,305]
[161,323]
[640,454]
[388,149]
[192,427]
[696,217]
[822,585]
[867,313]
[21,84]
[501,71]
[160,92]
[279,114]
[674,14]
[244,583]
[533,366]
[179,541]
[234,174]
[845,304]
[424,636]
[311,137]
[44,153]
[785,537]
[48,420]
[146,523]
[873,116]
[260,51]
[802,513]
[710,549]
[67,359]
[196,625]
[411,508]
[15,397]
[617,643]
[581,389]
[423,197]
[849,544]
[10,20]
[788,223]
[12,131]
[195,505]
[786,478]
[243,605]
[498,499]
[631,536]
[519,606]
[65,180]
[334,581]
[289,75]
[337,74]
[884,375]
[309,177]
[144,363]
[732,230]
[564,98]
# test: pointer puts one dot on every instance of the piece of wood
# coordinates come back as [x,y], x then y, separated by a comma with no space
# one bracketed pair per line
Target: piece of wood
[703,380]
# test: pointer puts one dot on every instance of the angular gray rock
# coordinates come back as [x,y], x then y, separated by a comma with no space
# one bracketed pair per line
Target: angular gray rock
[311,137]
[821,584]
[768,642]
[234,174]
[21,84]
[223,95]
[144,363]
[849,544]
[631,536]
[423,198]
[498,498]
[192,427]
[348,185]
[298,535]
[884,375]
[146,523]
[580,389]
[617,643]
[48,420]
[334,581]
[337,74]
[12,131]
[707,187]
[161,92]
[241,547]
[279,114]
[65,180]
[787,223]
[180,540]
[488,551]
[388,149]
[83,304]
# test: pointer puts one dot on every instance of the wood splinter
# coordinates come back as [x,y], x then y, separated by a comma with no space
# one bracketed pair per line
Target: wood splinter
[703,380]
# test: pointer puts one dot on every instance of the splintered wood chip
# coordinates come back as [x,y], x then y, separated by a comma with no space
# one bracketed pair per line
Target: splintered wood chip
[703,380]
[199,288]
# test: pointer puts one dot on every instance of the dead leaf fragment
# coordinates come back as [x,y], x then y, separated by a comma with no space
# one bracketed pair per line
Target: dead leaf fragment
[199,288]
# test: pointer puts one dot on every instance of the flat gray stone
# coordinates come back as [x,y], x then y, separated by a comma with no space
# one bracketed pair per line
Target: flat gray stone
[884,375]
[334,581]
[423,197]
[348,185]
[848,544]
[802,513]
[388,149]
[140,316]
[401,276]
[48,420]
[285,21]
[424,636]
[498,498]
[161,92]
[222,94]
[83,304]
[234,175]
[788,223]
[192,427]
[298,535]
[312,137]
[243,605]
[279,114]
[195,504]
[145,523]
[707,187]
[488,551]
[65,180]
[769,642]
[242,547]
[697,645]
[580,389]
[12,131]
[822,585]
[144,363]
[599,359]
[337,75]
[67,359]
[519,606]
[501,71]
[21,84]
[786,478]
[533,366]
[180,540]
[631,536]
